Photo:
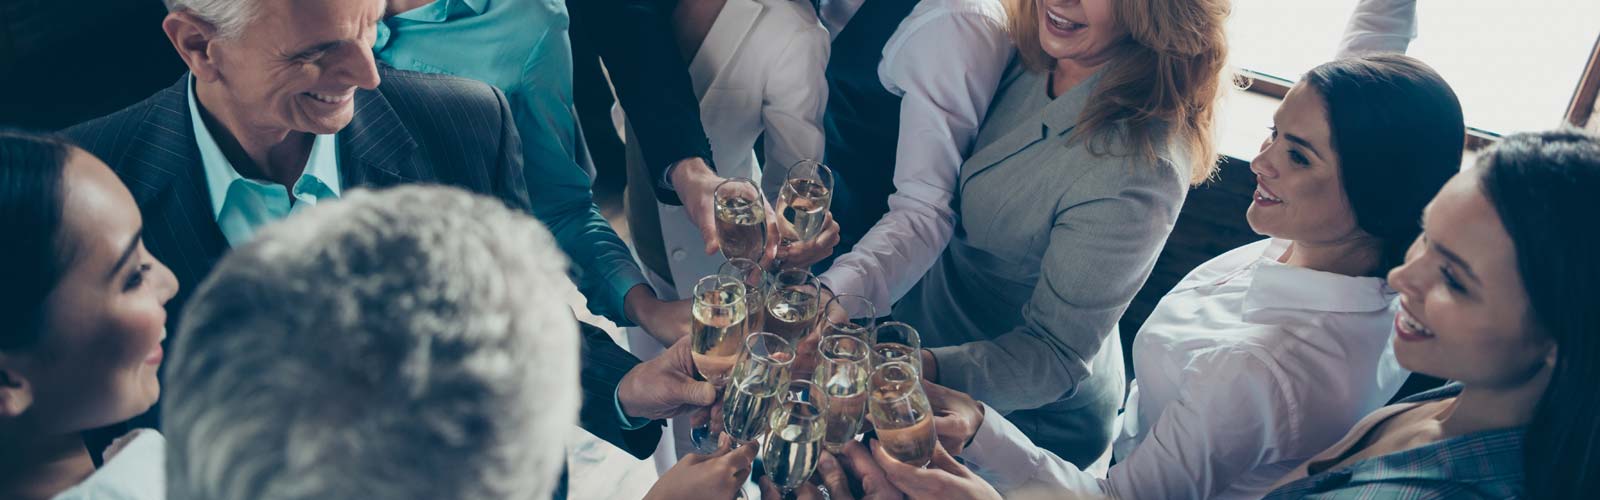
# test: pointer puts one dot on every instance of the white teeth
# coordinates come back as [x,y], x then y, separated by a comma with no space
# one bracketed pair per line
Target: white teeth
[1061,22]
[1261,194]
[1413,326]
[330,99]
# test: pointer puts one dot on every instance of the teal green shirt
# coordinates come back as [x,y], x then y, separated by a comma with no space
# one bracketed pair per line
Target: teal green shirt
[521,47]
[240,205]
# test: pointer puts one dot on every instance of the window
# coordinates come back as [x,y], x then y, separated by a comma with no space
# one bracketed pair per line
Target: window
[1514,65]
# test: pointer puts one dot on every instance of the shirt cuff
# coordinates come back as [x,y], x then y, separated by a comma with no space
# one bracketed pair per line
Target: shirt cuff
[1000,452]
[621,281]
[628,423]
[841,281]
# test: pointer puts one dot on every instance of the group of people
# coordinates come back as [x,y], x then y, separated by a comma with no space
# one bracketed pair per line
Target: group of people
[328,262]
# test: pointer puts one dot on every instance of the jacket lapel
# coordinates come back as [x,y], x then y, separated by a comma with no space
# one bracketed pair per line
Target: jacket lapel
[166,178]
[375,149]
[1055,119]
[726,36]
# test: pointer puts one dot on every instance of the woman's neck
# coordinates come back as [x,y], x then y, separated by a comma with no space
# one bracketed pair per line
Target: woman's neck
[40,467]
[1488,408]
[1358,255]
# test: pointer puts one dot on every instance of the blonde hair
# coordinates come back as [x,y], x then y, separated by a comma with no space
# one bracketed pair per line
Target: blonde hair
[1164,79]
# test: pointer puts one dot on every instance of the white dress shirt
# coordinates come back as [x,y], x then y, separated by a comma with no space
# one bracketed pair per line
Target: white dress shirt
[945,62]
[1376,26]
[1246,369]
[134,469]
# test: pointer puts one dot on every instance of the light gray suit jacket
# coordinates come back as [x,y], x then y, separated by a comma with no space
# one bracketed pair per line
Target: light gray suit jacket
[1055,237]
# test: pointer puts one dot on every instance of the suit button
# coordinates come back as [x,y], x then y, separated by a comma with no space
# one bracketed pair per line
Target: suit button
[679,255]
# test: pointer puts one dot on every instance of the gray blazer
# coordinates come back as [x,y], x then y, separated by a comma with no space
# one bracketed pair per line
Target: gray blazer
[1055,237]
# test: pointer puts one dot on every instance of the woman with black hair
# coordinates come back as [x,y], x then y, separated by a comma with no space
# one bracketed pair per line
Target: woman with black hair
[84,309]
[1498,294]
[1265,355]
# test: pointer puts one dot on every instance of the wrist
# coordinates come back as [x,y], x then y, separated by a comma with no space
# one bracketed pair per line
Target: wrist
[638,302]
[687,171]
[930,366]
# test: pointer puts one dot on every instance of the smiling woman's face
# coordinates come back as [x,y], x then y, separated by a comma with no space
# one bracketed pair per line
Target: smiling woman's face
[97,361]
[1299,195]
[1464,311]
[1082,31]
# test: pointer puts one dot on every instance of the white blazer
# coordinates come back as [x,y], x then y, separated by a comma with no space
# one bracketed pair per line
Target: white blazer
[761,69]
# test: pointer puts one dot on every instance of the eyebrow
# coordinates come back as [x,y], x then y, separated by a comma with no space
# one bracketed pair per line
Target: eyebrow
[126,253]
[1456,259]
[321,47]
[1303,143]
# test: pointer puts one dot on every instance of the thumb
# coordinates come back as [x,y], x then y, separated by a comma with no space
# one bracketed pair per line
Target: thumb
[942,460]
[697,393]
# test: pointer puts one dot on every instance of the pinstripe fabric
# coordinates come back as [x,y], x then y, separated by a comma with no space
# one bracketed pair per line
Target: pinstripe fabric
[415,128]
[1484,464]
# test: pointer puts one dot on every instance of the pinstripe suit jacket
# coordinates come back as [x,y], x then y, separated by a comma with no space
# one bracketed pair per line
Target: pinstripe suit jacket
[415,128]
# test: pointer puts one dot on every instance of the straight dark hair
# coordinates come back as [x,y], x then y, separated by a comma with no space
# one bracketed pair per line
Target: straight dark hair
[1398,130]
[1543,186]
[31,167]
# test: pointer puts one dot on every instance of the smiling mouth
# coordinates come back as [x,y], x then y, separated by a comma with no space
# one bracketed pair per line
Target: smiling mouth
[330,98]
[1409,325]
[1062,23]
[1265,195]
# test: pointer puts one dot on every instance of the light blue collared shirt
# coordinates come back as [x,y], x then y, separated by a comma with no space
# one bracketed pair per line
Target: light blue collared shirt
[240,205]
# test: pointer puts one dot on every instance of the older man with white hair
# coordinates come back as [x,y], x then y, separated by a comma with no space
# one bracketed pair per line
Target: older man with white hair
[409,343]
[284,108]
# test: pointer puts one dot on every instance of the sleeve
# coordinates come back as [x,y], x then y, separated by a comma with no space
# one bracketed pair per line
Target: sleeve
[509,184]
[635,40]
[947,70]
[1229,418]
[559,189]
[1002,455]
[1101,248]
[795,98]
[604,365]
[1380,26]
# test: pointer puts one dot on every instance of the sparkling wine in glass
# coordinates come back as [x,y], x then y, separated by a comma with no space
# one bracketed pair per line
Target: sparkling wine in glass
[717,326]
[804,199]
[896,341]
[741,220]
[755,289]
[901,415]
[758,379]
[795,431]
[851,315]
[793,304]
[843,374]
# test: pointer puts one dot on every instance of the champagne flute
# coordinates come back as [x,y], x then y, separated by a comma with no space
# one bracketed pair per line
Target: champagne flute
[717,326]
[901,414]
[755,289]
[793,304]
[741,218]
[804,198]
[851,315]
[843,374]
[758,379]
[793,444]
[896,341]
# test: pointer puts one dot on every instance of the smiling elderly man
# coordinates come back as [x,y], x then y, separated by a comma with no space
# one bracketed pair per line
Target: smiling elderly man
[285,107]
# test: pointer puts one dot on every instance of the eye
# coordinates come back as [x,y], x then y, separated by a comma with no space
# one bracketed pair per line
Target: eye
[1299,159]
[1451,281]
[136,278]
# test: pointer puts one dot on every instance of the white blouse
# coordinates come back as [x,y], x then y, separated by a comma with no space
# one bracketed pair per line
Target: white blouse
[134,469]
[1247,368]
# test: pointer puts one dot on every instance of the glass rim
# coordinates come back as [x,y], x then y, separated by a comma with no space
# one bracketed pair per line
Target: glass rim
[915,387]
[788,347]
[738,299]
[821,168]
[810,279]
[828,354]
[716,191]
[897,325]
[840,298]
[815,392]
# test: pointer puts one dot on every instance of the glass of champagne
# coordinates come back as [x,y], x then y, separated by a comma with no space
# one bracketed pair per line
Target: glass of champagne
[851,315]
[843,374]
[758,379]
[804,198]
[755,289]
[717,325]
[896,341]
[741,218]
[793,444]
[901,415]
[793,304]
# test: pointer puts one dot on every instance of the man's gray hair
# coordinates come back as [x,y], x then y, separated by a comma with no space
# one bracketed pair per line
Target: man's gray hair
[228,16]
[411,343]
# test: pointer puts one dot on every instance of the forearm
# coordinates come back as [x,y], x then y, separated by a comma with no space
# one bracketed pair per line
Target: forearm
[897,251]
[1379,26]
[1007,459]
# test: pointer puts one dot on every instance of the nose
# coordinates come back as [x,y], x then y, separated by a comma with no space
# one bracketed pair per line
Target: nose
[1262,166]
[359,69]
[167,281]
[1406,278]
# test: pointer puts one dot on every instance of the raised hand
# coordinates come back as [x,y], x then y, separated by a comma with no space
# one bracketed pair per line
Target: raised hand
[943,479]
[956,416]
[666,386]
[716,476]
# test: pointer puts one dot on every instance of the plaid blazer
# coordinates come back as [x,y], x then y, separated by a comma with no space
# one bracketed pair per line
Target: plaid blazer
[1484,464]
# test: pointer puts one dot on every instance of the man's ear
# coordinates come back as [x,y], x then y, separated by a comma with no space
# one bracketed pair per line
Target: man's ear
[16,394]
[194,38]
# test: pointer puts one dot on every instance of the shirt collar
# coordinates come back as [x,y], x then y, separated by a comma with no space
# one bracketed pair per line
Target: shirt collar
[1277,286]
[322,164]
[442,10]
